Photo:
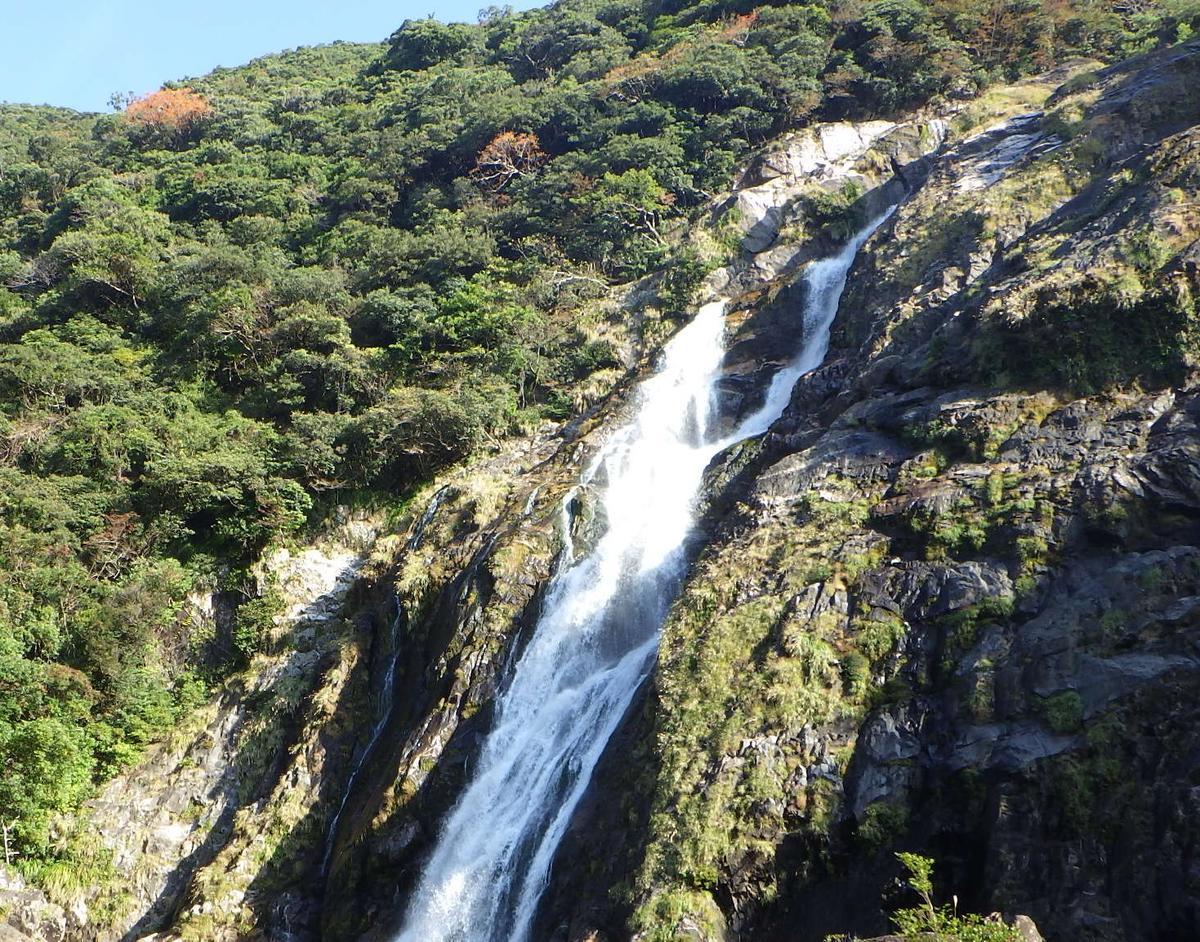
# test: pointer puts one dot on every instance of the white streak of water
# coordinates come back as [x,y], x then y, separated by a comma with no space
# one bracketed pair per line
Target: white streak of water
[598,634]
[386,692]
[386,695]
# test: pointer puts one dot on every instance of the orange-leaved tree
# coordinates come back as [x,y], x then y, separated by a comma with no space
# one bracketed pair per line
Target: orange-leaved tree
[511,154]
[174,110]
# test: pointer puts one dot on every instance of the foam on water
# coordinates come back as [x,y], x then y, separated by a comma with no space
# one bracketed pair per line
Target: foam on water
[598,634]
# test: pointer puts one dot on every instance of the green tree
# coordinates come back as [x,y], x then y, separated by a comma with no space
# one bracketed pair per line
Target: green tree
[47,769]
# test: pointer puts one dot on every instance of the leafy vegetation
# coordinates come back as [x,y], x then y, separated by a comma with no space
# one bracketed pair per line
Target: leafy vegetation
[930,921]
[1117,334]
[338,270]
[1063,711]
[882,824]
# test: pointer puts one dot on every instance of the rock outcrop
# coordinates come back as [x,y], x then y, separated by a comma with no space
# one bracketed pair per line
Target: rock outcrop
[948,603]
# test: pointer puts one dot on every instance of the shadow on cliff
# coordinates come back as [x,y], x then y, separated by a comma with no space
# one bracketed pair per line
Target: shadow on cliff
[372,873]
[172,896]
[371,868]
[285,891]
[254,770]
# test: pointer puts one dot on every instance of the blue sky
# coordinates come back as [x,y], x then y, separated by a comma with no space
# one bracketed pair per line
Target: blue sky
[78,52]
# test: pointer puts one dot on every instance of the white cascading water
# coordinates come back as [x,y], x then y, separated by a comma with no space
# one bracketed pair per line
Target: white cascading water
[598,634]
[386,693]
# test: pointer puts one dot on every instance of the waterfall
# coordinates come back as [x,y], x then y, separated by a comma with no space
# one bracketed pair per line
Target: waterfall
[598,635]
[426,518]
[386,696]
[387,689]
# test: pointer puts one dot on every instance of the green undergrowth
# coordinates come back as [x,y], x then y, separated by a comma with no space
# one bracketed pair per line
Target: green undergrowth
[1004,515]
[943,923]
[81,870]
[741,672]
[1091,792]
[1101,336]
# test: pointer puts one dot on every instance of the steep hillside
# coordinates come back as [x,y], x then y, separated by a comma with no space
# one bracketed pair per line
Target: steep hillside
[302,366]
[947,604]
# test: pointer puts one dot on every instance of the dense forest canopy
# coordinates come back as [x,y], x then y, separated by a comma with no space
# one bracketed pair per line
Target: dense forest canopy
[334,271]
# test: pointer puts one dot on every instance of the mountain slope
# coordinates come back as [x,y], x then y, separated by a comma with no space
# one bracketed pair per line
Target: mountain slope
[951,582]
[975,584]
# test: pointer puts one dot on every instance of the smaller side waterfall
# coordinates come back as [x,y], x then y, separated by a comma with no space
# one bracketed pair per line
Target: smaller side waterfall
[386,691]
[598,635]
[426,518]
[386,696]
[826,280]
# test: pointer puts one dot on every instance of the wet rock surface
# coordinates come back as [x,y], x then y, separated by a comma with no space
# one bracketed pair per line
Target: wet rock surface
[1010,680]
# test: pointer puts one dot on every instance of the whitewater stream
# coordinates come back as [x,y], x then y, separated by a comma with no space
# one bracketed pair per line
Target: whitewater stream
[597,637]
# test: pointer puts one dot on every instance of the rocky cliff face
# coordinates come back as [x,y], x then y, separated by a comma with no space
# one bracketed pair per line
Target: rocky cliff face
[947,604]
[188,831]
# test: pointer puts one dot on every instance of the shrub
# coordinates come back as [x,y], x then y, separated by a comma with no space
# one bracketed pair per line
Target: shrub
[1063,711]
[684,273]
[856,674]
[421,44]
[877,639]
[839,212]
[174,112]
[253,623]
[882,823]
[929,921]
[509,155]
